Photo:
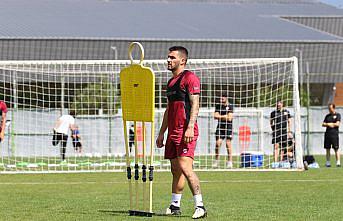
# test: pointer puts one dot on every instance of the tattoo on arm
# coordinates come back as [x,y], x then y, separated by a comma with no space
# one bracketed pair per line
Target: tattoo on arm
[194,99]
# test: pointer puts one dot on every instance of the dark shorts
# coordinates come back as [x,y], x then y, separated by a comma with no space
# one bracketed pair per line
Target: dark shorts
[224,133]
[174,150]
[59,137]
[280,137]
[76,143]
[331,141]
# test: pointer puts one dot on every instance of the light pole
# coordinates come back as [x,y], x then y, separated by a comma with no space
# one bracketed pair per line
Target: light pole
[111,103]
[300,71]
[306,147]
[114,48]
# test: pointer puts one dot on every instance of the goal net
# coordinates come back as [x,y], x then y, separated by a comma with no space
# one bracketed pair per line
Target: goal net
[37,93]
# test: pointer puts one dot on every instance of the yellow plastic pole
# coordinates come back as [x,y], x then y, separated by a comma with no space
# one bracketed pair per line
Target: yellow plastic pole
[151,163]
[128,167]
[136,165]
[144,166]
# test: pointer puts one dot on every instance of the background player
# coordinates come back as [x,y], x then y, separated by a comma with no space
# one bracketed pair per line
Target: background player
[331,137]
[76,139]
[62,125]
[224,114]
[280,122]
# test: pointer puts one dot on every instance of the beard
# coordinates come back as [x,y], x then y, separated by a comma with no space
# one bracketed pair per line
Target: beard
[171,68]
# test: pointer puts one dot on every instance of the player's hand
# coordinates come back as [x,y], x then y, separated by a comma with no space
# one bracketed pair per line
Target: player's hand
[189,135]
[1,137]
[159,140]
[329,125]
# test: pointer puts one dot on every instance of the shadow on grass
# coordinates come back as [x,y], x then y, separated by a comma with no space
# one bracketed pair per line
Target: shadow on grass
[115,212]
[126,212]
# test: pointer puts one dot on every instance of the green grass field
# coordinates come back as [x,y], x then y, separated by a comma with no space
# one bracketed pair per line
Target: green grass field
[315,194]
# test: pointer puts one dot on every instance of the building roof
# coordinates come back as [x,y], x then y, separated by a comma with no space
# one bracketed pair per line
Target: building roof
[185,20]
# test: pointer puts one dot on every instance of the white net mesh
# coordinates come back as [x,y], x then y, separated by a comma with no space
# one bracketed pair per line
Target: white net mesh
[38,92]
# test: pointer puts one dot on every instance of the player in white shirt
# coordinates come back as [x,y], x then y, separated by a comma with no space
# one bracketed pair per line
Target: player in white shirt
[62,126]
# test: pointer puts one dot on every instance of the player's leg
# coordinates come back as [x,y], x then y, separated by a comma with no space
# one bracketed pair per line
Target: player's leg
[185,154]
[218,144]
[276,152]
[229,152]
[186,165]
[228,136]
[283,151]
[74,142]
[338,157]
[55,138]
[79,144]
[335,145]
[327,147]
[283,145]
[275,142]
[64,146]
[328,163]
[178,181]
[219,141]
[178,185]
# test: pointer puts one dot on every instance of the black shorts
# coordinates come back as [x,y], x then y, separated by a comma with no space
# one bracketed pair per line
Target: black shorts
[76,143]
[331,141]
[59,137]
[280,137]
[224,133]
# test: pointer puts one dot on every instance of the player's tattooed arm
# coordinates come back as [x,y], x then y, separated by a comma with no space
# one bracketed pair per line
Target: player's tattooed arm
[189,134]
[194,100]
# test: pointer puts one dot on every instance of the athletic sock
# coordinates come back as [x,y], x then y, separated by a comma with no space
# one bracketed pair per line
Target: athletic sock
[338,162]
[176,199]
[198,200]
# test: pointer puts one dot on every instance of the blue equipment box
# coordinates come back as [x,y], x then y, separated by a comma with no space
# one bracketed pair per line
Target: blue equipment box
[252,159]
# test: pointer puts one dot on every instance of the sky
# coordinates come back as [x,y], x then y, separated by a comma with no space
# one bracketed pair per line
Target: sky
[337,3]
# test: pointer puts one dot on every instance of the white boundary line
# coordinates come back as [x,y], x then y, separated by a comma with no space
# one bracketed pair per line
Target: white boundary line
[168,182]
[155,170]
[162,61]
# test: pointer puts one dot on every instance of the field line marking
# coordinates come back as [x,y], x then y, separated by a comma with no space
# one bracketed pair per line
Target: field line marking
[168,182]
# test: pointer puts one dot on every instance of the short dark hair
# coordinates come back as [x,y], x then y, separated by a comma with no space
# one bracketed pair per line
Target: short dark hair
[72,113]
[224,95]
[181,50]
[332,104]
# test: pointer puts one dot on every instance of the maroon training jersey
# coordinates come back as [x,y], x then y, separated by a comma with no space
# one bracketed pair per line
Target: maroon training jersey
[3,108]
[178,90]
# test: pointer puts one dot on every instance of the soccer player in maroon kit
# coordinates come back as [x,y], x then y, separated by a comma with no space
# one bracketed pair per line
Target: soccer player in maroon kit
[180,118]
[3,112]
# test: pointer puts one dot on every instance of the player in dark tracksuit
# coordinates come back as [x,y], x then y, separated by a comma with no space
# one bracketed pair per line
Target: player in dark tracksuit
[280,122]
[331,137]
[224,114]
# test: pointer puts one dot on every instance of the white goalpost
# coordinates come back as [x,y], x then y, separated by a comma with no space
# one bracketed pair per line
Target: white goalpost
[38,92]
